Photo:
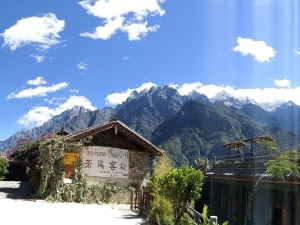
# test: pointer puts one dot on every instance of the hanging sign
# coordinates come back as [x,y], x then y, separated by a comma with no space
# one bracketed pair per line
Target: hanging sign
[71,158]
[102,161]
[69,161]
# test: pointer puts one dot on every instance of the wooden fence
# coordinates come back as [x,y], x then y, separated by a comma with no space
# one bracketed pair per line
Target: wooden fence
[141,199]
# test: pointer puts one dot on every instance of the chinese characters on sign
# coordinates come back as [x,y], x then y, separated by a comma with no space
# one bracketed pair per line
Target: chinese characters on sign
[105,162]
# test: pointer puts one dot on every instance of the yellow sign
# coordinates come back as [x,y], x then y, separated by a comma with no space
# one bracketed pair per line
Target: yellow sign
[71,158]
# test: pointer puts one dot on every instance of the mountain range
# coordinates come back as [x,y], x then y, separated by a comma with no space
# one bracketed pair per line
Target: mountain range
[186,127]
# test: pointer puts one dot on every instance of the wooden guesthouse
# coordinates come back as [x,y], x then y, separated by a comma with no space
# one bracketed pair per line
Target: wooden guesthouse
[115,153]
[238,189]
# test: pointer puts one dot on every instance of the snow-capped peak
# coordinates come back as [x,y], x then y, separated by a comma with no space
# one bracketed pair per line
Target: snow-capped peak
[227,99]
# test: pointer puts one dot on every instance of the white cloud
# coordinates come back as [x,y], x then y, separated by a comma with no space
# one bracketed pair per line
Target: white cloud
[35,117]
[37,81]
[296,52]
[76,91]
[259,49]
[42,32]
[138,30]
[129,16]
[55,100]
[106,31]
[262,96]
[118,98]
[37,91]
[187,88]
[82,66]
[38,58]
[284,83]
[40,114]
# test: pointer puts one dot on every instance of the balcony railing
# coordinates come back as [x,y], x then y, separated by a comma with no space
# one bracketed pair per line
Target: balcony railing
[260,157]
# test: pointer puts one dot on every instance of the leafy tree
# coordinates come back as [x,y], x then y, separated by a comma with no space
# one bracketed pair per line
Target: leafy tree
[161,166]
[27,152]
[269,146]
[181,186]
[3,168]
[161,211]
[285,163]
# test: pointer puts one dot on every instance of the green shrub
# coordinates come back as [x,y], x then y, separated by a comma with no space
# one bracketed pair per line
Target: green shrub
[3,168]
[173,190]
[161,211]
[161,166]
[205,216]
[181,187]
[186,220]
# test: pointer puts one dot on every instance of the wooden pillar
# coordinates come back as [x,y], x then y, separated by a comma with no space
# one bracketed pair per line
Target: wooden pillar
[229,212]
[141,205]
[132,199]
[251,146]
[211,195]
[285,209]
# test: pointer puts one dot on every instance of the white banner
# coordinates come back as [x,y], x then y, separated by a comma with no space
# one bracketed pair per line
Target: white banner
[98,161]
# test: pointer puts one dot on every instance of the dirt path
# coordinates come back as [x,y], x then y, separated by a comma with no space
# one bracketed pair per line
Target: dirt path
[14,211]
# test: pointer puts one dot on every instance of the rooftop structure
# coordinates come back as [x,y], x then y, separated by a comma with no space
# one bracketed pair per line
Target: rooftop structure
[239,189]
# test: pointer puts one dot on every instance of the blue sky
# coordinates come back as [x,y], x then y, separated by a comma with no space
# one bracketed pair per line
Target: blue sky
[52,58]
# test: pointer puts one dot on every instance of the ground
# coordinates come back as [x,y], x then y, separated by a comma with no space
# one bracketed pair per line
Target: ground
[16,210]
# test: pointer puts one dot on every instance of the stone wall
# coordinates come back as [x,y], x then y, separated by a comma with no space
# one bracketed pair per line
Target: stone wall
[140,164]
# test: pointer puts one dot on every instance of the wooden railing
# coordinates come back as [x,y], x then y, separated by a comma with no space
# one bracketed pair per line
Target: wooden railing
[241,158]
[195,215]
[141,199]
[198,218]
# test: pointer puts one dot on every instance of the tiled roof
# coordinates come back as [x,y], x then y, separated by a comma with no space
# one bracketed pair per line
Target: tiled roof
[116,124]
[249,174]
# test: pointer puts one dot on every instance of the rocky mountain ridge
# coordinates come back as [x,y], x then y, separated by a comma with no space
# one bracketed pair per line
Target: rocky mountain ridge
[187,127]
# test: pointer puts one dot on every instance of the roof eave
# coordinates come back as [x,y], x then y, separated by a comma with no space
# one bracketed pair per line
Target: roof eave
[111,125]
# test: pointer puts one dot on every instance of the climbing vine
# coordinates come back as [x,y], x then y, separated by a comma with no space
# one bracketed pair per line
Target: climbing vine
[51,184]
